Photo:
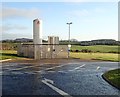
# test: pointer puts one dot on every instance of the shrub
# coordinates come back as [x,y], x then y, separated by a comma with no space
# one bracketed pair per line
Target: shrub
[86,51]
[76,50]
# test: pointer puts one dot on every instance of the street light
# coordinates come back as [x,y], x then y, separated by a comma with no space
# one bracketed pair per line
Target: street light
[69,40]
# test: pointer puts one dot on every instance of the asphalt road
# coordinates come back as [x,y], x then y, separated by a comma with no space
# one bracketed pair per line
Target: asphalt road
[75,78]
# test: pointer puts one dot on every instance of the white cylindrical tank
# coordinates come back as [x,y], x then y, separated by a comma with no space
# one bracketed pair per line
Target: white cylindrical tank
[56,40]
[53,40]
[37,31]
[50,40]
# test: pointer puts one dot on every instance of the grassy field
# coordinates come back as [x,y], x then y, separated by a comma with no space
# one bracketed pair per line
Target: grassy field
[95,56]
[8,54]
[10,46]
[98,48]
[12,54]
[99,52]
[113,77]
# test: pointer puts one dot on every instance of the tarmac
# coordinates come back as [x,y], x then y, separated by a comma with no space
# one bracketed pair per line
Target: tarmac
[57,77]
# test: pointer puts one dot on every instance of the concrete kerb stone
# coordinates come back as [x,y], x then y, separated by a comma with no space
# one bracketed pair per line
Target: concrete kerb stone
[5,60]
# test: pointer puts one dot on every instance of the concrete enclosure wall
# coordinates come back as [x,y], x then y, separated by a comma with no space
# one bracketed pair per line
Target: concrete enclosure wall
[43,51]
[25,50]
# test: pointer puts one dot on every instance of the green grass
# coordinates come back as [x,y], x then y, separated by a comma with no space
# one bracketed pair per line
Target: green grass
[113,77]
[102,55]
[97,48]
[95,56]
[12,54]
[8,54]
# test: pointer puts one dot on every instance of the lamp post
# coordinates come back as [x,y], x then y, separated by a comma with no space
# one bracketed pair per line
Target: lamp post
[69,40]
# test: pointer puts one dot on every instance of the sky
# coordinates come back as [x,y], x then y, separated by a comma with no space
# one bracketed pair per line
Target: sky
[91,20]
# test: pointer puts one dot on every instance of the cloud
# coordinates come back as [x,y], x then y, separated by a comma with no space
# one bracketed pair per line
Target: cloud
[9,12]
[6,28]
[14,31]
[15,35]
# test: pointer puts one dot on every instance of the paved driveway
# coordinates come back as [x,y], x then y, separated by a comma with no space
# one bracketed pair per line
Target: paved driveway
[74,78]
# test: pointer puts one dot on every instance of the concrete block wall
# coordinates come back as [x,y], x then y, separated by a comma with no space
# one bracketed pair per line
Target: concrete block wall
[25,51]
[43,51]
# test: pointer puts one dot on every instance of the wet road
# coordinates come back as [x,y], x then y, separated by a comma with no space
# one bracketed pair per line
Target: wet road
[77,78]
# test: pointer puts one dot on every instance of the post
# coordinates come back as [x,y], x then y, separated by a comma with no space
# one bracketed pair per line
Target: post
[69,34]
[69,40]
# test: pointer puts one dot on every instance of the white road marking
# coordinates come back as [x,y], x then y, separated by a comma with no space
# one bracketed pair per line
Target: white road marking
[29,73]
[17,73]
[51,71]
[35,66]
[10,65]
[48,80]
[22,68]
[80,67]
[59,65]
[14,64]
[56,89]
[38,71]
[71,70]
[7,73]
[54,67]
[77,67]
[98,68]
[62,71]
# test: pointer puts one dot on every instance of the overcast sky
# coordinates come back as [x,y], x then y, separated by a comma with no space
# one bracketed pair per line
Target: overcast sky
[91,20]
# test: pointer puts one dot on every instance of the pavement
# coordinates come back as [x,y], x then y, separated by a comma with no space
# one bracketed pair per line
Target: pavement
[67,78]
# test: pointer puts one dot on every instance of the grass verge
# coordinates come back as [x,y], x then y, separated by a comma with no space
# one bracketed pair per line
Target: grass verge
[98,48]
[8,54]
[95,56]
[113,77]
[12,54]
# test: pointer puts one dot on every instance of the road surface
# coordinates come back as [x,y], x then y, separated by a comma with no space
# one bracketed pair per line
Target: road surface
[72,79]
